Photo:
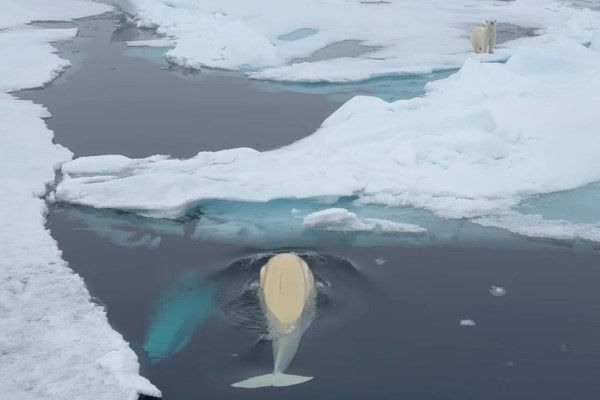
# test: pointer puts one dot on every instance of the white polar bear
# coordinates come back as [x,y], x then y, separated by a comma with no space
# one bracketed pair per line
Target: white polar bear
[483,38]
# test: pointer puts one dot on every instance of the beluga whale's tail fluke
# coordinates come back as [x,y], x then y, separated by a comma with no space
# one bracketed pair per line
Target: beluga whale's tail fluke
[287,294]
[277,380]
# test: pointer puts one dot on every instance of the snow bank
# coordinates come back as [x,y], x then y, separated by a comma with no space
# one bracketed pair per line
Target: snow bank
[414,36]
[476,144]
[55,343]
[342,220]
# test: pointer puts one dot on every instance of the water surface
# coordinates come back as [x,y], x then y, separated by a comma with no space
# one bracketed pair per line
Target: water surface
[389,315]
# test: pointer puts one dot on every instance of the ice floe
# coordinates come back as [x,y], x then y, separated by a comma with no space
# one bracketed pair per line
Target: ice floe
[476,145]
[55,342]
[270,38]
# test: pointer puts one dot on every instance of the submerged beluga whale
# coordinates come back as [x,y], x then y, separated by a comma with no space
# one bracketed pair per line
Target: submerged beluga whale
[288,300]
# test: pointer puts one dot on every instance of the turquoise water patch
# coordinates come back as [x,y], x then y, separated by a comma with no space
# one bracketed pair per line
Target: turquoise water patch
[577,205]
[388,88]
[279,223]
[178,314]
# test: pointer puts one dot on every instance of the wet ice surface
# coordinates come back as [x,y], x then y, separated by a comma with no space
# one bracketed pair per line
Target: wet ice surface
[346,48]
[507,32]
[388,326]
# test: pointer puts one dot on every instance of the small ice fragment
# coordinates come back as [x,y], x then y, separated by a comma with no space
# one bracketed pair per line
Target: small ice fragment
[509,364]
[467,322]
[380,261]
[565,347]
[497,291]
[233,355]
[295,211]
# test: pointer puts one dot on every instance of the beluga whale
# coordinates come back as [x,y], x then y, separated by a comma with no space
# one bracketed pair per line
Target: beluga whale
[288,300]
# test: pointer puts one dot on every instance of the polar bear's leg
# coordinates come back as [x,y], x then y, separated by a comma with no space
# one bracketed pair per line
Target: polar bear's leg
[492,42]
[474,42]
[477,39]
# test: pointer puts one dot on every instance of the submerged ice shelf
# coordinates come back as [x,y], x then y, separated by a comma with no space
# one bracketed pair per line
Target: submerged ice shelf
[280,224]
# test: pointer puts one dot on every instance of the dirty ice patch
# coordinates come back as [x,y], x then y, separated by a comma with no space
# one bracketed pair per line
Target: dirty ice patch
[267,37]
[342,220]
[55,342]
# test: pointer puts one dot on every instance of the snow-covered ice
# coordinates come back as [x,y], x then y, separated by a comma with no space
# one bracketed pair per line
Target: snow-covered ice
[414,36]
[476,145]
[467,322]
[150,43]
[55,342]
[342,220]
[595,42]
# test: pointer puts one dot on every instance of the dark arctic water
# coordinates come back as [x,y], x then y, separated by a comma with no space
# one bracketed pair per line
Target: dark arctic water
[385,331]
[389,315]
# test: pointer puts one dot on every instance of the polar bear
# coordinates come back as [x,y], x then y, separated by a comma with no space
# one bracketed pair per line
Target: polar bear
[483,38]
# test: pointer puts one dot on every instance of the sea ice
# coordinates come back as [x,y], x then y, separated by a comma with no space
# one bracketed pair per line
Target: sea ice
[466,149]
[409,37]
[55,343]
[497,291]
[342,220]
[380,261]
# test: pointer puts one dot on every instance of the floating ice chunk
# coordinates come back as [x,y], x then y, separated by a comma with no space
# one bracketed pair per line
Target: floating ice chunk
[342,220]
[380,261]
[497,291]
[467,322]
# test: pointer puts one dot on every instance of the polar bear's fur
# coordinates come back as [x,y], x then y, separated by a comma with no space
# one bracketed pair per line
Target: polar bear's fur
[483,38]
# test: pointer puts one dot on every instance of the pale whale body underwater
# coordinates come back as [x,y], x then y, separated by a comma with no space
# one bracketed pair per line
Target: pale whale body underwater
[288,300]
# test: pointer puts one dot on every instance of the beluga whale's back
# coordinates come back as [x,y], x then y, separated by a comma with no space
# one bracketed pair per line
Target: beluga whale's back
[287,294]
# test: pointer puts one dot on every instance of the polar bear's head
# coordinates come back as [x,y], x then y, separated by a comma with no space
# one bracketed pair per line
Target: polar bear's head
[490,23]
